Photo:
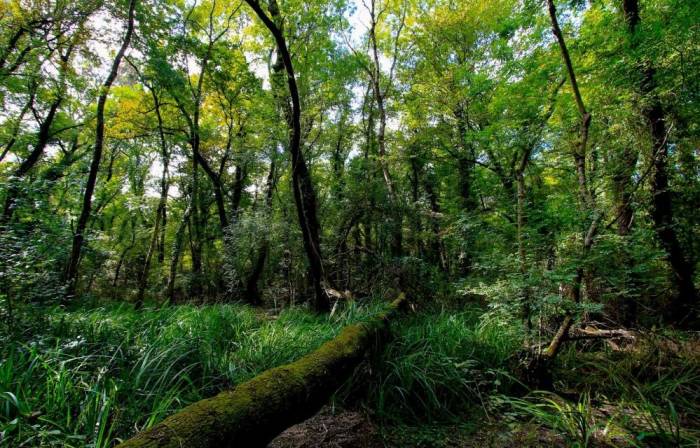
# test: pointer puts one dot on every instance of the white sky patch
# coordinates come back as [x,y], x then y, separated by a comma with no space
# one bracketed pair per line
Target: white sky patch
[359,19]
[259,68]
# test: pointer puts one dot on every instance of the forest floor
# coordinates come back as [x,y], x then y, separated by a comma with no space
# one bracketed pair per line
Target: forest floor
[354,429]
[92,375]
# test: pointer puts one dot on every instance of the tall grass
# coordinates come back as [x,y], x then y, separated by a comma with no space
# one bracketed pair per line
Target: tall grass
[90,377]
[442,365]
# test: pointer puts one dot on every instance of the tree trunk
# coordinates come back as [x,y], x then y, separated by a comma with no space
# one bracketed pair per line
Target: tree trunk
[122,257]
[437,247]
[175,256]
[12,45]
[195,222]
[43,137]
[120,263]
[194,227]
[624,308]
[73,261]
[252,292]
[218,190]
[161,238]
[304,195]
[379,98]
[237,195]
[465,170]
[165,184]
[465,163]
[522,256]
[586,199]
[624,166]
[682,309]
[396,222]
[416,225]
[160,210]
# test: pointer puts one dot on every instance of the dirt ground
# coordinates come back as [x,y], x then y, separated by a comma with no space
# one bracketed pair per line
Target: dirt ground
[341,429]
[353,429]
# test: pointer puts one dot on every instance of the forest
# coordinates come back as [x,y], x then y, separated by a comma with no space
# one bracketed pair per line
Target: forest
[349,223]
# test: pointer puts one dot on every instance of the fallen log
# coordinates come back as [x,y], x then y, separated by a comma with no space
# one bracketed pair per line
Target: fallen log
[536,371]
[255,412]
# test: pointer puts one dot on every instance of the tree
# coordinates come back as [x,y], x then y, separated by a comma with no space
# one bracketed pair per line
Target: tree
[683,308]
[74,258]
[304,195]
[586,197]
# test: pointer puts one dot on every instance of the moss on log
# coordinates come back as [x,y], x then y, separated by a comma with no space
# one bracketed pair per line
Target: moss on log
[255,412]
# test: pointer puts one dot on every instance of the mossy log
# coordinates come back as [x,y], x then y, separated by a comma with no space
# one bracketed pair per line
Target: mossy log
[255,412]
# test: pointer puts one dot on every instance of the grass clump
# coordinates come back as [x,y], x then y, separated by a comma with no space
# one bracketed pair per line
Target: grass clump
[442,365]
[575,420]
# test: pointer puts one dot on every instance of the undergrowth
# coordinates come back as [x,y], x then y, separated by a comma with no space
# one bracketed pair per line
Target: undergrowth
[643,395]
[91,377]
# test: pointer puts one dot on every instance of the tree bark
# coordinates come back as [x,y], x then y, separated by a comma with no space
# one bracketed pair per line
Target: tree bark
[43,137]
[239,176]
[585,194]
[622,190]
[11,45]
[161,238]
[218,191]
[465,170]
[522,255]
[437,247]
[160,210]
[175,256]
[465,163]
[586,198]
[73,261]
[396,222]
[123,255]
[682,310]
[379,98]
[416,225]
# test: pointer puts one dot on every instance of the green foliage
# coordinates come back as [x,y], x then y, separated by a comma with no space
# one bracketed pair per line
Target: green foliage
[444,150]
[30,266]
